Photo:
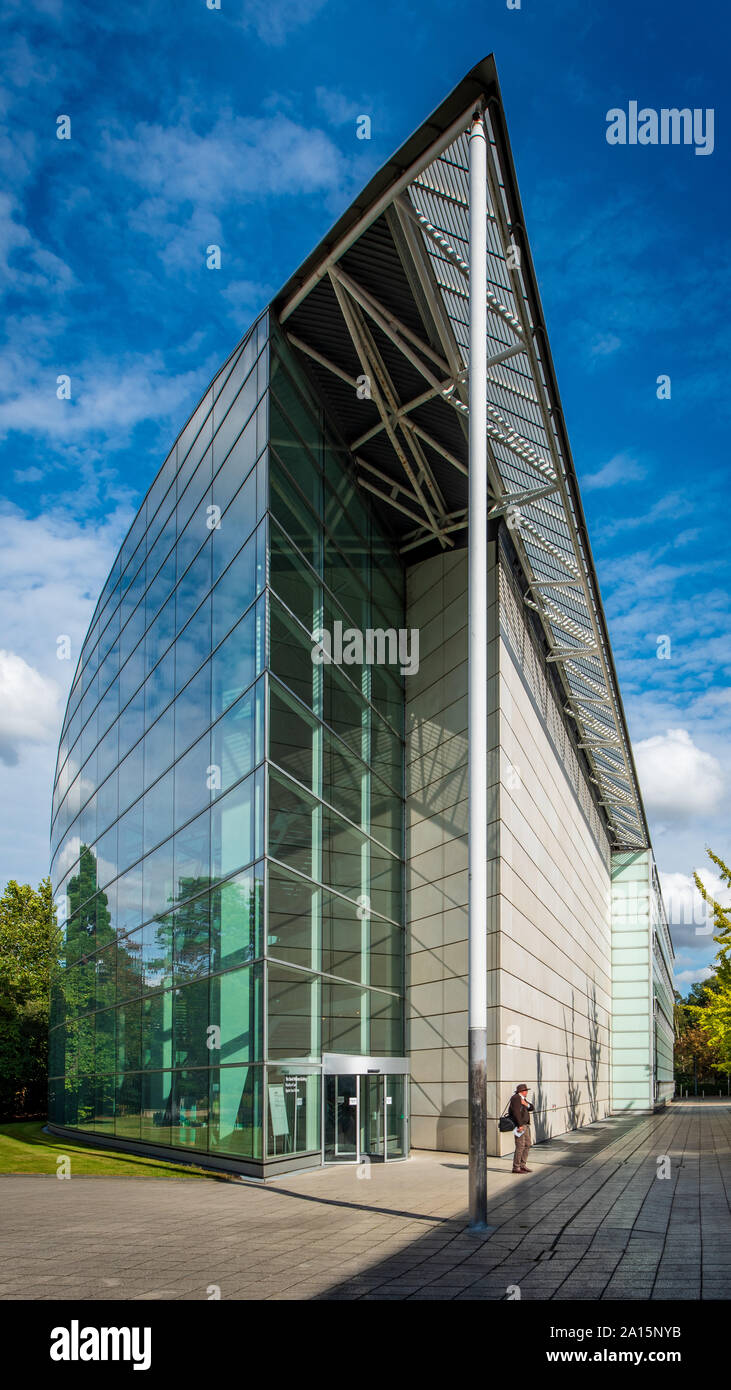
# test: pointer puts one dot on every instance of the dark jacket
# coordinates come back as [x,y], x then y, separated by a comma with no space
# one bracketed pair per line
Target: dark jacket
[519,1110]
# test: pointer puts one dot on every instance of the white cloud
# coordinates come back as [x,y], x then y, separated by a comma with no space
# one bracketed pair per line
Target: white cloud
[605,344]
[689,977]
[338,108]
[106,397]
[24,262]
[689,917]
[622,468]
[274,20]
[29,706]
[678,779]
[240,157]
[246,297]
[52,569]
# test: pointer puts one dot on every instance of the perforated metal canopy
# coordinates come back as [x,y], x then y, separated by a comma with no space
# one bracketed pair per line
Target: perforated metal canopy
[379,314]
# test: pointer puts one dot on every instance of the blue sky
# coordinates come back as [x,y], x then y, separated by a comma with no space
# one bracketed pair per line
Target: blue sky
[236,126]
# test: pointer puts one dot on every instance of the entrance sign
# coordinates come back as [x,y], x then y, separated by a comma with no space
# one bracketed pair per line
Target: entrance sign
[278,1111]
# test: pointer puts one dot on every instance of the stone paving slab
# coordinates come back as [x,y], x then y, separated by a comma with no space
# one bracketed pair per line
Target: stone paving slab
[593,1220]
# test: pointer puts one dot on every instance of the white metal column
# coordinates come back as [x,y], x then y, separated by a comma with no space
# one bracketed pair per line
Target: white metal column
[477,698]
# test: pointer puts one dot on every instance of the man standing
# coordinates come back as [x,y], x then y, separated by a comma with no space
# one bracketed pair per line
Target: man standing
[519,1110]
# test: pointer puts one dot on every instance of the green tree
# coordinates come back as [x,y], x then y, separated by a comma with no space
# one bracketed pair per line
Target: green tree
[711,1001]
[28,951]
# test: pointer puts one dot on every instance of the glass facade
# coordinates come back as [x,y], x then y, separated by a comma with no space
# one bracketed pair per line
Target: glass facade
[227,828]
[642,989]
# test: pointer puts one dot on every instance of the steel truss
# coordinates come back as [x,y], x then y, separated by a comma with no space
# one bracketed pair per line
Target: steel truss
[530,478]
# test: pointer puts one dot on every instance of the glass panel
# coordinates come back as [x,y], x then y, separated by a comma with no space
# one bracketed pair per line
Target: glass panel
[160,688]
[386,884]
[129,967]
[127,1107]
[193,710]
[386,955]
[197,433]
[345,710]
[386,816]
[290,510]
[293,819]
[301,425]
[236,912]
[341,1118]
[131,775]
[190,1025]
[192,857]
[293,1111]
[291,655]
[235,832]
[191,940]
[292,919]
[344,857]
[395,1101]
[85,1113]
[235,591]
[192,515]
[350,587]
[156,1107]
[192,781]
[372,1101]
[238,740]
[236,1012]
[235,663]
[129,1036]
[388,696]
[345,1018]
[193,644]
[104,1089]
[189,1111]
[104,1042]
[158,812]
[242,456]
[293,1016]
[292,581]
[157,955]
[194,586]
[387,1033]
[237,523]
[105,965]
[157,881]
[345,780]
[236,1111]
[292,734]
[129,900]
[157,1031]
[345,938]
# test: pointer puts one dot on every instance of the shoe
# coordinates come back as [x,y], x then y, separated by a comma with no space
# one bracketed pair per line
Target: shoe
[525,1170]
[519,1170]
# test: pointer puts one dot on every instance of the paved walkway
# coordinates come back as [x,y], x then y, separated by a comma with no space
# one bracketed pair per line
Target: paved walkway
[593,1220]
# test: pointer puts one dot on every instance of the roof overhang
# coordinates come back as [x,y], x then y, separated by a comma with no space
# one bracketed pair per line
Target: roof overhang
[379,315]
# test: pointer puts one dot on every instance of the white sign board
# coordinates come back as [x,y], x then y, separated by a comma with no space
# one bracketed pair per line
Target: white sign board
[278,1111]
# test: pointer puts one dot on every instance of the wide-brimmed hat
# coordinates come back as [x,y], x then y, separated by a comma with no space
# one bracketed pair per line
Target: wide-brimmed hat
[521,1087]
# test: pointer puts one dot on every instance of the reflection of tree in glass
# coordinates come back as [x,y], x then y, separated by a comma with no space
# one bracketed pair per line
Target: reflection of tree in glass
[236,910]
[89,982]
[191,930]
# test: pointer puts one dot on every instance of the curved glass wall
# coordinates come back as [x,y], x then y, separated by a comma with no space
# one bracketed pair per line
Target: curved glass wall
[227,829]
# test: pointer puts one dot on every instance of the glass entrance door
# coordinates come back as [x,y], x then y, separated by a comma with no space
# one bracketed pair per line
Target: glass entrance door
[395,1118]
[372,1118]
[365,1118]
[341,1119]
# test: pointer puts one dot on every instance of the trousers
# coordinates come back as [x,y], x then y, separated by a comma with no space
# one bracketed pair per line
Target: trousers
[522,1145]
